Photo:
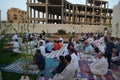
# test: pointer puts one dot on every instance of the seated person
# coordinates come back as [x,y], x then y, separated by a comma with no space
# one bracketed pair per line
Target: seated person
[55,45]
[48,47]
[88,50]
[68,72]
[12,47]
[74,59]
[16,46]
[59,46]
[100,67]
[61,66]
[38,61]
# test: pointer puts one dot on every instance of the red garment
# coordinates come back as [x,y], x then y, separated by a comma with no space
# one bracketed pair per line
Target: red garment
[59,46]
[55,46]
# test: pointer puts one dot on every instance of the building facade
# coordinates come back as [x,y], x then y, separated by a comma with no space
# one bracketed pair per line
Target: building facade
[15,15]
[116,21]
[94,12]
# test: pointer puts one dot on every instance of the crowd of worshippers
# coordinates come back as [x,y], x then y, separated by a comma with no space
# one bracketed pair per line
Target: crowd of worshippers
[33,41]
[102,47]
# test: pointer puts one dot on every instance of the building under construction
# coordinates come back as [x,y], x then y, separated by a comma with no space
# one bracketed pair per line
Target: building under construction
[94,12]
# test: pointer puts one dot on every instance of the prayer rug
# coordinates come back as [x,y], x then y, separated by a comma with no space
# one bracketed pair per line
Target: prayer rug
[17,67]
[82,74]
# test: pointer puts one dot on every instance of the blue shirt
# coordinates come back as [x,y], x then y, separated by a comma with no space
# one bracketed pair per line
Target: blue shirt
[48,47]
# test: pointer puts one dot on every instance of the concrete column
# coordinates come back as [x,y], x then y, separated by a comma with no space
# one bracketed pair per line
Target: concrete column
[30,12]
[85,20]
[73,18]
[62,11]
[50,16]
[43,15]
[53,16]
[34,15]
[93,12]
[38,14]
[76,14]
[69,13]
[101,13]
[46,11]
[27,11]
[64,19]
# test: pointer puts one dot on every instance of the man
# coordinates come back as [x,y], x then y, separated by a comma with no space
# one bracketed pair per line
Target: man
[38,61]
[74,58]
[68,72]
[110,48]
[100,67]
[42,47]
[16,46]
[48,47]
[88,50]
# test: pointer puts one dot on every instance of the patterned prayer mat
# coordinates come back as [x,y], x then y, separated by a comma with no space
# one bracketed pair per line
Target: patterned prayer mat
[17,67]
[80,74]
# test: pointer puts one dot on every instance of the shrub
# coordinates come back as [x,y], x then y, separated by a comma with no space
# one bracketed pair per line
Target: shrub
[61,32]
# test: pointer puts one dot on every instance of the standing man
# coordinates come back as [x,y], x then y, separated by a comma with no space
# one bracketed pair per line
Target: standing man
[110,48]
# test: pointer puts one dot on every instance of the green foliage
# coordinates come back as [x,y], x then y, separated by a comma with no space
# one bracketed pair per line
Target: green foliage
[61,32]
[7,58]
[13,76]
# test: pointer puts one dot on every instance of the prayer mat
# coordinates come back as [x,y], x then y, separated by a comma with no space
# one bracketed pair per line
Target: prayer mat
[82,74]
[17,67]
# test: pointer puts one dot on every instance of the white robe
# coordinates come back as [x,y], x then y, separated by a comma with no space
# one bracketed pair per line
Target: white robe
[74,61]
[66,74]
[100,67]
[42,49]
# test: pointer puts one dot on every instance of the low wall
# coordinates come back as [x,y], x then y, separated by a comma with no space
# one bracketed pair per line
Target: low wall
[53,28]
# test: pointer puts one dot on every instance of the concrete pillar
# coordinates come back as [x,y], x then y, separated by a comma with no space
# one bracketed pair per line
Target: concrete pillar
[50,16]
[76,14]
[30,12]
[43,15]
[27,11]
[93,12]
[46,11]
[85,20]
[69,13]
[34,15]
[73,12]
[62,11]
[38,14]
[53,16]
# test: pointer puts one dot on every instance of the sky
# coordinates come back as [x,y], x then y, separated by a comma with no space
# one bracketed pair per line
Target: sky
[21,4]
